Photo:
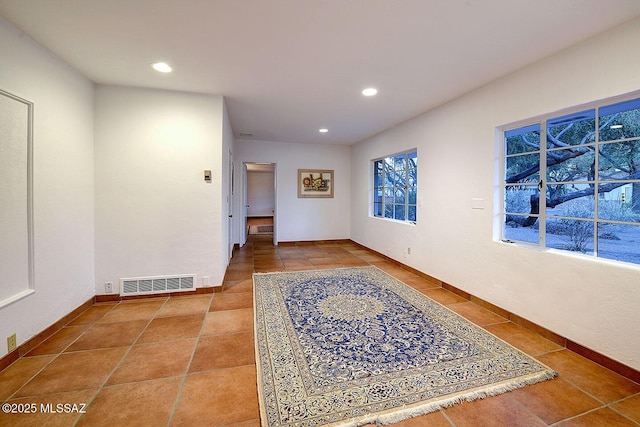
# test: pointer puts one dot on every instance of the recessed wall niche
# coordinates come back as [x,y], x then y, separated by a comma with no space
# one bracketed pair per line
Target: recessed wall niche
[16,197]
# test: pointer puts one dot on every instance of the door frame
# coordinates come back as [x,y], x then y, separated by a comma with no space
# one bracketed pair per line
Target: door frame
[243,209]
[231,190]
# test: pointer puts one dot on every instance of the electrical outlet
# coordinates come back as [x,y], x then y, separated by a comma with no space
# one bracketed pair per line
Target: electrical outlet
[408,251]
[12,343]
[108,287]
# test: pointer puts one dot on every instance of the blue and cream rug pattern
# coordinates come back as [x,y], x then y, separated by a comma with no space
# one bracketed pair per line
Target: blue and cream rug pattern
[351,346]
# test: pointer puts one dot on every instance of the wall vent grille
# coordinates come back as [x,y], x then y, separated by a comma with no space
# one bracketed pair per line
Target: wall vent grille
[157,284]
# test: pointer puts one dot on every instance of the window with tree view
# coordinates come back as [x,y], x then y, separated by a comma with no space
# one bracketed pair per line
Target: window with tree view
[395,186]
[585,195]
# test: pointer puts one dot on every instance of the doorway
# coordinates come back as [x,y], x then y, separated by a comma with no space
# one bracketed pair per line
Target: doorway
[259,201]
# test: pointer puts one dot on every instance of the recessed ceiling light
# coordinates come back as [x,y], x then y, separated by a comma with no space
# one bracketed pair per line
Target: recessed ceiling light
[323,130]
[163,67]
[370,91]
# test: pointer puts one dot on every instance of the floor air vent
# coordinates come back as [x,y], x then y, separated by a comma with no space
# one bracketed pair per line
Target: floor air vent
[157,284]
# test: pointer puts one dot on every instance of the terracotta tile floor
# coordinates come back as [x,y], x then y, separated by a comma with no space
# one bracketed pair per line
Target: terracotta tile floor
[189,361]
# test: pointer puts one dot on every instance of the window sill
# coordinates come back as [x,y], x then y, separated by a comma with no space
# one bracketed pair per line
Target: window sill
[570,254]
[396,221]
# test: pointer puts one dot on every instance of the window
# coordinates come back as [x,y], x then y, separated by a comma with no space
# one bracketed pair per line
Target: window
[395,186]
[585,196]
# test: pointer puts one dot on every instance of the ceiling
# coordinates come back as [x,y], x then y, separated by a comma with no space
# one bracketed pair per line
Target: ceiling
[290,67]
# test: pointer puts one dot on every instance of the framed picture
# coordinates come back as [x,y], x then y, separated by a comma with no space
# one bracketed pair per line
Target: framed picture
[315,183]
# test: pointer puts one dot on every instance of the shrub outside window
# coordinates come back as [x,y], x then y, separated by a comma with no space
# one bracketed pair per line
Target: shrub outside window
[585,196]
[395,186]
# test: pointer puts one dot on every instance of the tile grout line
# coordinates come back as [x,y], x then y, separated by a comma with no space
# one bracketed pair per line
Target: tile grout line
[124,356]
[446,416]
[55,357]
[599,408]
[186,372]
[604,405]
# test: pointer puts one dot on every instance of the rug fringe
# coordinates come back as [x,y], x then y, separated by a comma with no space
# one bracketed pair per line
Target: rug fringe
[407,412]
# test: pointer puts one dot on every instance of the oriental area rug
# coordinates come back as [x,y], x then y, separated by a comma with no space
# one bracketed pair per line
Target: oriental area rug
[351,346]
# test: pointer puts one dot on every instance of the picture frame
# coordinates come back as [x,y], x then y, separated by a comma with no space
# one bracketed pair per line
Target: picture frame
[315,183]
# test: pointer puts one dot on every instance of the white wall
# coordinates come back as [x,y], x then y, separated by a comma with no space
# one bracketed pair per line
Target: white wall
[155,214]
[301,219]
[63,183]
[594,303]
[260,193]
